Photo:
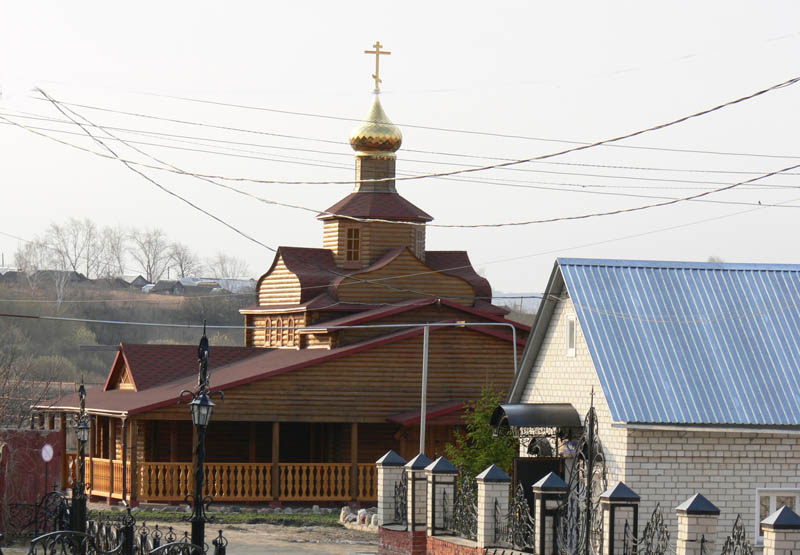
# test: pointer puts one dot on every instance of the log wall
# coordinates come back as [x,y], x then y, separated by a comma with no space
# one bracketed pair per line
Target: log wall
[281,286]
[376,239]
[418,282]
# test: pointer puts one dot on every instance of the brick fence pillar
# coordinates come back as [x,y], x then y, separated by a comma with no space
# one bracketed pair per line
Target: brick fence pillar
[441,475]
[548,494]
[493,494]
[697,523]
[390,471]
[781,532]
[614,500]
[417,491]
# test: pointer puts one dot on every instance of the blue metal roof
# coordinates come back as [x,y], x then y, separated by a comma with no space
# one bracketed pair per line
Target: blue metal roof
[691,343]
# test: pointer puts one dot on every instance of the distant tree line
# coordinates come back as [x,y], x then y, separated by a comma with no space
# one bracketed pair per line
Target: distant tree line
[80,246]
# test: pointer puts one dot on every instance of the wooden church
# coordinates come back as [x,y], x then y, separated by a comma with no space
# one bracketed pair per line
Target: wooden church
[330,375]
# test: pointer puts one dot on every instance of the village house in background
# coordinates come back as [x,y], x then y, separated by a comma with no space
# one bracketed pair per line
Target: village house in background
[694,370]
[329,376]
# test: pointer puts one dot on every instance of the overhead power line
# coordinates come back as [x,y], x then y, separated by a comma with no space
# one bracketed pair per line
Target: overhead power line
[472,132]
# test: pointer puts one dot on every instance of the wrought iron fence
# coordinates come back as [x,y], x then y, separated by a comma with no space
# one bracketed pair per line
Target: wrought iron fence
[517,528]
[107,536]
[737,543]
[48,515]
[463,520]
[401,500]
[654,539]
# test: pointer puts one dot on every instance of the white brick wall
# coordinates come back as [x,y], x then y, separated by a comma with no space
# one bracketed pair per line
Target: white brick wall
[558,378]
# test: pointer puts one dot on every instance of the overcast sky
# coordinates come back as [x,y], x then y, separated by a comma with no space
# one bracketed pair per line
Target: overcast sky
[576,71]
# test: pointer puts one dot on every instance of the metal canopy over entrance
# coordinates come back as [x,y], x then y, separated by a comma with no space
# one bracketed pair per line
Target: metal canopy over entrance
[535,415]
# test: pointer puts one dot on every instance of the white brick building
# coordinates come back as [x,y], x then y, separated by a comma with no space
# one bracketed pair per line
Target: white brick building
[696,374]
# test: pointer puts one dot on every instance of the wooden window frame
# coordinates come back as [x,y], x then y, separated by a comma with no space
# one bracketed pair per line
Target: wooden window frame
[352,245]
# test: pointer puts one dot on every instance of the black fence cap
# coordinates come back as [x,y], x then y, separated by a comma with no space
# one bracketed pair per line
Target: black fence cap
[697,505]
[493,474]
[550,482]
[419,462]
[441,466]
[620,493]
[391,458]
[782,519]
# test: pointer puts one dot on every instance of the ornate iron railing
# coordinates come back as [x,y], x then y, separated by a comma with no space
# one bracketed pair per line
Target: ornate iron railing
[463,520]
[51,514]
[517,528]
[737,543]
[654,540]
[401,500]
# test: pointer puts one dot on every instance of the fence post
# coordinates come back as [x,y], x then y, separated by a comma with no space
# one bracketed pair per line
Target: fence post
[781,532]
[617,497]
[441,478]
[390,469]
[697,520]
[493,497]
[417,491]
[547,494]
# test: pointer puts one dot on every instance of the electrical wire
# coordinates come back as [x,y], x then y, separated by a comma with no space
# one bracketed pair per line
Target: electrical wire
[174,136]
[496,182]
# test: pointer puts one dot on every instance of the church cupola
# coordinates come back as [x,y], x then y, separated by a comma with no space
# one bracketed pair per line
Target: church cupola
[356,243]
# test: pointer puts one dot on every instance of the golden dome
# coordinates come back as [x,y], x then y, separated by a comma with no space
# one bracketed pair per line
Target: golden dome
[377,133]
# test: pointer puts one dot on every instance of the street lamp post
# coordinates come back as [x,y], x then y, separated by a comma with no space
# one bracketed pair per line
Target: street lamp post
[78,512]
[201,408]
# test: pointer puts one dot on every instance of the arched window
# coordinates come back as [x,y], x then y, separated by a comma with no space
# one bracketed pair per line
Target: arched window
[291,331]
[267,328]
[278,331]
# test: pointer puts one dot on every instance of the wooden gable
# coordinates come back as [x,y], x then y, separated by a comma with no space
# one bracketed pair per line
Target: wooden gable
[279,286]
[401,278]
[120,375]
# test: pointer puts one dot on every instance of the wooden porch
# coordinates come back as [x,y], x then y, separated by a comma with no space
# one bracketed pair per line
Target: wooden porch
[229,482]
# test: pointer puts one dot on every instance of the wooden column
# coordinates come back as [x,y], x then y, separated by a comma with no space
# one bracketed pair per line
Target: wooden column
[112,453]
[354,460]
[173,441]
[124,457]
[64,466]
[252,442]
[276,457]
[134,462]
[92,450]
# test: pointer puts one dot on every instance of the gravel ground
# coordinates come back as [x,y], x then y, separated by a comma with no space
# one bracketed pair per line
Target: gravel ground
[252,539]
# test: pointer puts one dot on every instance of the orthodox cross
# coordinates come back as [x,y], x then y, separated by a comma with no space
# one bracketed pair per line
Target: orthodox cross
[377,46]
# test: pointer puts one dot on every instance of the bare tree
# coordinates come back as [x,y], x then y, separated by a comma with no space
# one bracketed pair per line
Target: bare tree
[114,244]
[226,266]
[185,261]
[151,251]
[75,243]
[31,259]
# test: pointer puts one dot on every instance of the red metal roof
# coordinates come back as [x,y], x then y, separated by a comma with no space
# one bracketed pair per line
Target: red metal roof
[153,364]
[258,367]
[315,268]
[457,263]
[385,206]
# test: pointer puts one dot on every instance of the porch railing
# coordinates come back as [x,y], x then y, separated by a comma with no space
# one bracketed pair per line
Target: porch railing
[167,481]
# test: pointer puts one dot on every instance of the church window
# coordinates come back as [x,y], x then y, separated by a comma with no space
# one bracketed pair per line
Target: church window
[267,330]
[291,331]
[353,246]
[278,332]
